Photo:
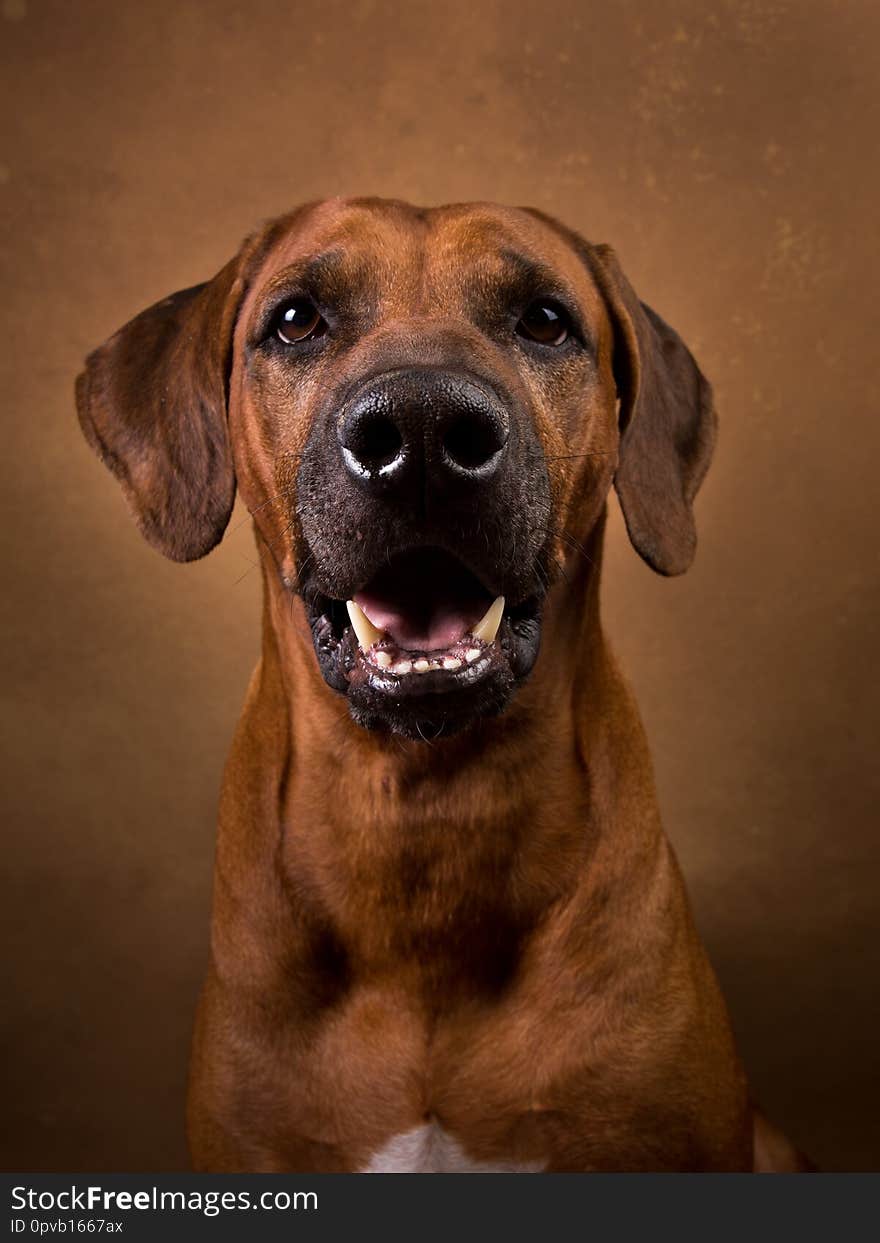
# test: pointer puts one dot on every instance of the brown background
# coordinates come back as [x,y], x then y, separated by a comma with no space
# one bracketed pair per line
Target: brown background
[728,150]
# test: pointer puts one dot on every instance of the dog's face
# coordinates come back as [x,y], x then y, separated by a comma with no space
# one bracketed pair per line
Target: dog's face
[424,411]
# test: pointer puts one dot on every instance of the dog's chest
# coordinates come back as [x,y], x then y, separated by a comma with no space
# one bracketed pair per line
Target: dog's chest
[428,1149]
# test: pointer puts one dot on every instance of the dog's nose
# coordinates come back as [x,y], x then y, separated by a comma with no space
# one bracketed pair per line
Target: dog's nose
[422,429]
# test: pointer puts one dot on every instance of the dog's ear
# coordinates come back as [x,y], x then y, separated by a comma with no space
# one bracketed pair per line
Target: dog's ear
[152,404]
[667,423]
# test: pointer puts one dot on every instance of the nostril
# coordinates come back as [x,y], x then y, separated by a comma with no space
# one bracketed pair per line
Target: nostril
[380,442]
[374,442]
[470,443]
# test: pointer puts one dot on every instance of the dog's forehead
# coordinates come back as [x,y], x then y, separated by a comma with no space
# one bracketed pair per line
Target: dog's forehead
[392,241]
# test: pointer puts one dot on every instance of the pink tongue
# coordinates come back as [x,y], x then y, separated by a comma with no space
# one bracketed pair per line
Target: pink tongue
[427,629]
[424,600]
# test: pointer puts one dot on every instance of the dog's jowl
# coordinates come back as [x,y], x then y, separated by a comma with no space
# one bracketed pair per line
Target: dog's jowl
[448,930]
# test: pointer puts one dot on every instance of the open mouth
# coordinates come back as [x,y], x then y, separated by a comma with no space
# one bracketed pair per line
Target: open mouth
[424,611]
[423,643]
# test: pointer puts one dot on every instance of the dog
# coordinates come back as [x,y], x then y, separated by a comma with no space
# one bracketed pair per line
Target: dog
[448,930]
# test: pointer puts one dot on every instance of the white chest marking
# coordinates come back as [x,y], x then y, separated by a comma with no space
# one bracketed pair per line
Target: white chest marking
[429,1150]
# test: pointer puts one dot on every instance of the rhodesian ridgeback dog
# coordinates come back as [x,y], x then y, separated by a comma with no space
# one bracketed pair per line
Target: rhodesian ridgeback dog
[448,930]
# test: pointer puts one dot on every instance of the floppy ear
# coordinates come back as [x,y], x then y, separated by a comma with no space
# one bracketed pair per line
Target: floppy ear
[152,404]
[668,423]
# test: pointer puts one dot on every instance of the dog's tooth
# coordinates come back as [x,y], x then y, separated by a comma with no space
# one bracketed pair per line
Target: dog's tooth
[451,662]
[383,660]
[403,666]
[367,633]
[472,654]
[421,665]
[487,628]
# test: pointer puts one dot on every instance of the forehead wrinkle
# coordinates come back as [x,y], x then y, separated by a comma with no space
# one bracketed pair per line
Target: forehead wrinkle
[485,227]
[308,272]
[452,244]
[389,239]
[504,250]
[350,229]
[521,273]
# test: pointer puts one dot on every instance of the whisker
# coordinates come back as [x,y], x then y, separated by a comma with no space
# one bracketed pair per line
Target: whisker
[569,539]
[301,570]
[253,566]
[567,457]
[271,544]
[251,513]
[285,495]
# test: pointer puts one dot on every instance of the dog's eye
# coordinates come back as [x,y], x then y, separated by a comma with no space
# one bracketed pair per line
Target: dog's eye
[300,320]
[545,323]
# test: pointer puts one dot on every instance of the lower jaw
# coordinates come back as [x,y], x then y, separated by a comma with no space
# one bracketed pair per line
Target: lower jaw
[430,716]
[436,702]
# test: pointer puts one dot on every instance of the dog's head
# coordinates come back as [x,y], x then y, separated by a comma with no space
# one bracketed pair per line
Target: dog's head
[424,411]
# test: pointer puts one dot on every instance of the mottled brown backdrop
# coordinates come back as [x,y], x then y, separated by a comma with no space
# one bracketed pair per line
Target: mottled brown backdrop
[729,151]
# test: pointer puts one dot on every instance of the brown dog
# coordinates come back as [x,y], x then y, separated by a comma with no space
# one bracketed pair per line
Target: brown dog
[448,932]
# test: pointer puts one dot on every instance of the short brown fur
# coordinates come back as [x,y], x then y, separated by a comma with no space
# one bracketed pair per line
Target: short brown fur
[490,931]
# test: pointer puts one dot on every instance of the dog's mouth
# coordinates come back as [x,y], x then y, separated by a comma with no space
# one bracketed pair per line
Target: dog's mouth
[424,645]
[423,611]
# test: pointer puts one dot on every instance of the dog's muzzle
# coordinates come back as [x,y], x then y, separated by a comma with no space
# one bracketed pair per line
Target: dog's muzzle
[423,503]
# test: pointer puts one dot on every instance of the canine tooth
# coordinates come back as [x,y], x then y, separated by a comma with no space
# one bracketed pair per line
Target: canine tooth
[472,654]
[403,666]
[367,633]
[383,660]
[451,662]
[488,627]
[421,665]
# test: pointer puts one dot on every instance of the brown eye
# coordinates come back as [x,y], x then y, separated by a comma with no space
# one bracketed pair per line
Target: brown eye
[300,321]
[545,323]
